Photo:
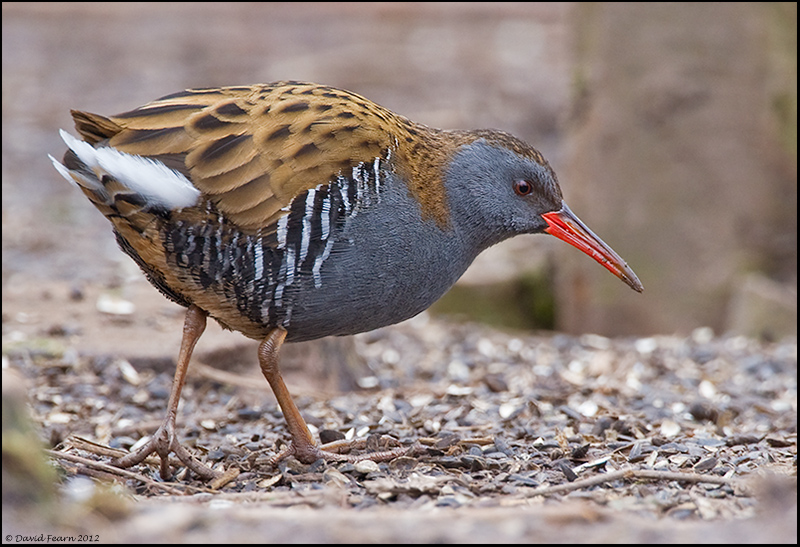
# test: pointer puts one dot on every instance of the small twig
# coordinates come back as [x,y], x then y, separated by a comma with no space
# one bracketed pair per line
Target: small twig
[115,471]
[481,441]
[647,474]
[89,472]
[95,468]
[681,477]
[224,479]
[86,445]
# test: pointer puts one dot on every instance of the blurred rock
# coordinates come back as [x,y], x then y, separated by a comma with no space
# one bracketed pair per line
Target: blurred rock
[330,363]
[28,479]
[763,308]
[509,285]
[678,157]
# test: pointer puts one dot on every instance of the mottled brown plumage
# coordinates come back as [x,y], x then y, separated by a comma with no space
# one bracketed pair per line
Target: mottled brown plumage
[252,149]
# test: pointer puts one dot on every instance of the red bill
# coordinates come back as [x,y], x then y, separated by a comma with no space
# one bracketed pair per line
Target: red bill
[566,226]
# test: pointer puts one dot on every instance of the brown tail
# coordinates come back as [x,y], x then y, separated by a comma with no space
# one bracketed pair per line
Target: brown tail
[94,128]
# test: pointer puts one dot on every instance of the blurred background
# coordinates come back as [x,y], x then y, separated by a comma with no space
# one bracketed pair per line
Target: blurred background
[672,127]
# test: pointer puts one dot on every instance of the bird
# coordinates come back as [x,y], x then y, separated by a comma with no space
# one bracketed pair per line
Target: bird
[293,211]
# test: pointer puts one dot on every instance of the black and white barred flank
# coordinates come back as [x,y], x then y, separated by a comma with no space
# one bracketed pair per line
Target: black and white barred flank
[260,272]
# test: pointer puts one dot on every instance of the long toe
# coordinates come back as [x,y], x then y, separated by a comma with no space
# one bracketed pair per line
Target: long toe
[164,442]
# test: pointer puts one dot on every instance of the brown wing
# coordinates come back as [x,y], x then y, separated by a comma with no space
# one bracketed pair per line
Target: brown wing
[252,149]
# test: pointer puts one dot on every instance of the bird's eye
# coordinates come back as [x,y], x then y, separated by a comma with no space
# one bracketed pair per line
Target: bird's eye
[522,187]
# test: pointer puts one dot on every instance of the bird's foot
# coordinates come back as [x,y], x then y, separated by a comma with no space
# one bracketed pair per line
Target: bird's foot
[333,451]
[162,443]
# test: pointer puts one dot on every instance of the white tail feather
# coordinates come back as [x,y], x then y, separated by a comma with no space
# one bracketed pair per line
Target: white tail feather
[150,178]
